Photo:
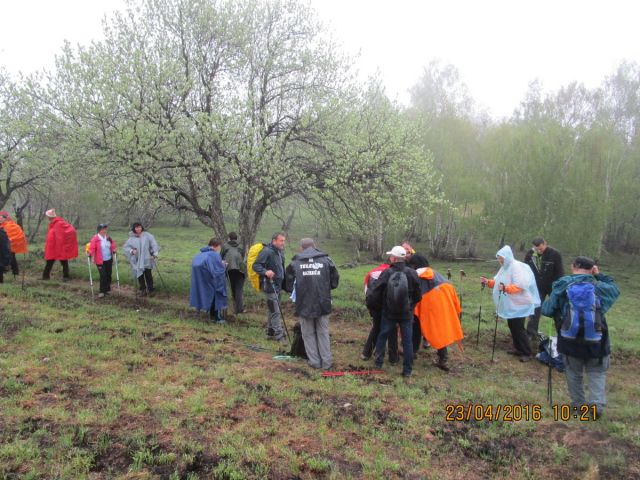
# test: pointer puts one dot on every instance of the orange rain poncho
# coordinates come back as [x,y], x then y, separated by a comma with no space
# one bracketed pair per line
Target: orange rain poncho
[438,310]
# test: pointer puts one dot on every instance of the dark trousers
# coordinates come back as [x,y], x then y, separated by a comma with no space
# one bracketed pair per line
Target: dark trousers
[14,264]
[145,281]
[443,355]
[388,327]
[370,344]
[2,273]
[214,314]
[46,275]
[105,275]
[236,279]
[417,335]
[519,335]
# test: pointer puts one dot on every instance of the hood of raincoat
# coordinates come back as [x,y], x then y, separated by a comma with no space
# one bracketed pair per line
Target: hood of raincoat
[514,272]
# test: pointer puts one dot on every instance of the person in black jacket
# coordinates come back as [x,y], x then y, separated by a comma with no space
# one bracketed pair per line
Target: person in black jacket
[270,266]
[415,260]
[312,275]
[5,253]
[396,293]
[233,254]
[546,264]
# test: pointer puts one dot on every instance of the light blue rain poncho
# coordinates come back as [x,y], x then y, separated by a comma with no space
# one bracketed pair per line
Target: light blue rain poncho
[513,272]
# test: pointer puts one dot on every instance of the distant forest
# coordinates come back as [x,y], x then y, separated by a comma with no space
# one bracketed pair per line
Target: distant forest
[224,112]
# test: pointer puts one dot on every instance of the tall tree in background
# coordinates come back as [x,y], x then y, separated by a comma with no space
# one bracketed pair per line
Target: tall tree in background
[206,104]
[28,153]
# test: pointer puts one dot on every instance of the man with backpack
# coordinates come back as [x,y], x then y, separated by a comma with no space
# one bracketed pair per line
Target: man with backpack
[546,264]
[233,254]
[270,267]
[313,275]
[396,294]
[376,317]
[577,304]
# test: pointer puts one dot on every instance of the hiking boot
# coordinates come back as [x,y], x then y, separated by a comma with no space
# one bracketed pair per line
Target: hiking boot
[515,353]
[442,365]
[364,357]
[526,358]
[406,374]
[378,365]
[101,295]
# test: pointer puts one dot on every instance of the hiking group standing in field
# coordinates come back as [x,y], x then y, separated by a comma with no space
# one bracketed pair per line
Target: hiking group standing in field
[403,295]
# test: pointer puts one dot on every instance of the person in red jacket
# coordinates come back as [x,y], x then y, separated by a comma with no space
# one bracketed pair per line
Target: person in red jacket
[101,250]
[61,244]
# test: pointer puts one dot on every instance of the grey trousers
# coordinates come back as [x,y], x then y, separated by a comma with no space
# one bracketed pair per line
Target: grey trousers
[315,333]
[596,371]
[274,316]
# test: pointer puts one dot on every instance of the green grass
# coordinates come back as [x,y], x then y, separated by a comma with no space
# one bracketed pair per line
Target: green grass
[144,388]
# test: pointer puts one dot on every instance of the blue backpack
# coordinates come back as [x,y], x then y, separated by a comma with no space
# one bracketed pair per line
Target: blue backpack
[582,317]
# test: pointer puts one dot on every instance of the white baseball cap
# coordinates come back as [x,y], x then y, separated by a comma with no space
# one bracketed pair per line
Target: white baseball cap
[398,251]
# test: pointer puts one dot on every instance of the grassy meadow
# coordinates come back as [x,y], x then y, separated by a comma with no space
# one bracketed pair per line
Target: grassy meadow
[134,388]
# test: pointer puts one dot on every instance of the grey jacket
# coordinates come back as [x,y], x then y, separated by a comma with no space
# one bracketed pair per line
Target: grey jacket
[146,248]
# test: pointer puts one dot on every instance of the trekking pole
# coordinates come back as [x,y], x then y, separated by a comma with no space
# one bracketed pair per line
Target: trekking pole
[462,275]
[228,283]
[90,276]
[284,324]
[164,285]
[115,259]
[495,331]
[550,372]
[482,285]
[24,266]
[449,274]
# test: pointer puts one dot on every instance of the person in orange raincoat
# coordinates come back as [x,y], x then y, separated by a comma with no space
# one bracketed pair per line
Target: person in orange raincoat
[16,237]
[438,313]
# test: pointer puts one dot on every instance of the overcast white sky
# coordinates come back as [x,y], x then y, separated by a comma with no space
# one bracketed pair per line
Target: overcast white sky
[499,46]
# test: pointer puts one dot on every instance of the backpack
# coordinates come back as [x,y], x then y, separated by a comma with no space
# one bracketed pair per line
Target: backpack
[582,317]
[397,294]
[254,278]
[297,345]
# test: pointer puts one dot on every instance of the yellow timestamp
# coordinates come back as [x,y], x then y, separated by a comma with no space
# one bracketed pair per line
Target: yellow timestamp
[516,412]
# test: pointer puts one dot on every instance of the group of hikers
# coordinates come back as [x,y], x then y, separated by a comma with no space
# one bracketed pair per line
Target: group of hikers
[403,294]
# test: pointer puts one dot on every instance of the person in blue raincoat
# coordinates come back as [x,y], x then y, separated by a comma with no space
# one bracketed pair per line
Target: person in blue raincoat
[208,283]
[516,297]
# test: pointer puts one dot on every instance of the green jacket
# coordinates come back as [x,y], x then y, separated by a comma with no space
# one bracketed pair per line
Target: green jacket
[233,253]
[554,307]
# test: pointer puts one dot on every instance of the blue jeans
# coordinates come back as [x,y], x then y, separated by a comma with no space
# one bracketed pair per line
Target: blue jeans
[387,327]
[596,370]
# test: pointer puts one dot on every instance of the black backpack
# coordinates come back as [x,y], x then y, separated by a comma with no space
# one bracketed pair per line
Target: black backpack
[397,294]
[297,345]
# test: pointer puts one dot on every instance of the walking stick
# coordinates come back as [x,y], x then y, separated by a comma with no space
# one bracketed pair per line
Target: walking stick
[164,285]
[115,259]
[482,285]
[462,275]
[495,331]
[24,265]
[284,324]
[550,372]
[90,276]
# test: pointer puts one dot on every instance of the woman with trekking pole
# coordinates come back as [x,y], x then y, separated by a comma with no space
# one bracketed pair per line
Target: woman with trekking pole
[516,297]
[102,249]
[141,250]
